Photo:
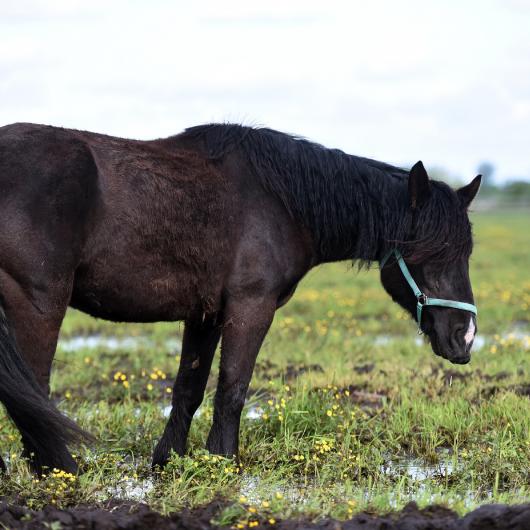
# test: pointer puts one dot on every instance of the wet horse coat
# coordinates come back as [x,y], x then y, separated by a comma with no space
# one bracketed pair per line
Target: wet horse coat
[214,227]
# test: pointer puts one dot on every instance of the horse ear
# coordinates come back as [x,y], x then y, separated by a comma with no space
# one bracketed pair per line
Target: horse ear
[419,187]
[467,193]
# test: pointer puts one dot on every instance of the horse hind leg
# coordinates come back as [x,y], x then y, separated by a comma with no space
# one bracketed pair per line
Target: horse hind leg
[29,327]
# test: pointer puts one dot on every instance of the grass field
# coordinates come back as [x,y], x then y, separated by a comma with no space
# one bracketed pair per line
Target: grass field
[349,409]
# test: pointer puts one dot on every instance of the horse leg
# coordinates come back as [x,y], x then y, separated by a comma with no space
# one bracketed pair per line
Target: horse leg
[246,324]
[34,319]
[198,349]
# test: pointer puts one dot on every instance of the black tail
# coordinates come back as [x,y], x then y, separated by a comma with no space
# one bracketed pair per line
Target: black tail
[45,431]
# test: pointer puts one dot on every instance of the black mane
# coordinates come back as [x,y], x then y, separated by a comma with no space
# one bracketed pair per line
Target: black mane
[356,208]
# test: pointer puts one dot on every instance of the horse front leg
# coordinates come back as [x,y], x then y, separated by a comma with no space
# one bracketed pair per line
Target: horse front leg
[245,326]
[198,349]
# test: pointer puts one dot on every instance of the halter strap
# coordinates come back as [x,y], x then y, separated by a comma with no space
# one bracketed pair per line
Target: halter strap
[422,298]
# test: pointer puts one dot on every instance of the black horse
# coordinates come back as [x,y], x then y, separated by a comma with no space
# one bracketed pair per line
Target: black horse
[215,226]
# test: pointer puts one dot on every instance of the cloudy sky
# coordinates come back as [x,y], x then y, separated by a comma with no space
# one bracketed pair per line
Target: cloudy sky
[446,82]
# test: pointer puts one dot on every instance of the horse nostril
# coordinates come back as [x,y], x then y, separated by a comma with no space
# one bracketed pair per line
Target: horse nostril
[458,333]
[460,338]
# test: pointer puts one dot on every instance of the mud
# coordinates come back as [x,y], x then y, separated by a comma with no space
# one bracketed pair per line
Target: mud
[268,369]
[119,515]
[520,390]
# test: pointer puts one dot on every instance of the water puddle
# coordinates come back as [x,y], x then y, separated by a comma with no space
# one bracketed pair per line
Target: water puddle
[110,342]
[131,489]
[92,342]
[479,342]
[166,411]
[418,470]
[254,412]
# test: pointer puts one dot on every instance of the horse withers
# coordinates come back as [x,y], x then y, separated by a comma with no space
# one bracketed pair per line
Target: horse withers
[214,227]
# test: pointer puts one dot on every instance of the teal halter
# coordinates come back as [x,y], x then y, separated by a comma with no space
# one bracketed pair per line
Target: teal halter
[422,298]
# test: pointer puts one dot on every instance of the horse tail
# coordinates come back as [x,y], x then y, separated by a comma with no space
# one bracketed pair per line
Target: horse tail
[45,431]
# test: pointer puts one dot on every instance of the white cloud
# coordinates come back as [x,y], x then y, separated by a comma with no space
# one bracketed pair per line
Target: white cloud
[445,82]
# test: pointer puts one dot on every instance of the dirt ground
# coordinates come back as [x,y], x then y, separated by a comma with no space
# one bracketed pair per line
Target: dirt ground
[119,515]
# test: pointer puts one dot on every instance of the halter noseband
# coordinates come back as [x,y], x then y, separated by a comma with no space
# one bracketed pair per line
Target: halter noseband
[422,298]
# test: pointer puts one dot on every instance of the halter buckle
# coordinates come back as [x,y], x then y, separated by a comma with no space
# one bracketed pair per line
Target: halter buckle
[422,299]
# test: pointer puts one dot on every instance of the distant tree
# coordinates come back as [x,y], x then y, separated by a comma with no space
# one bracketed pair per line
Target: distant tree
[487,170]
[517,192]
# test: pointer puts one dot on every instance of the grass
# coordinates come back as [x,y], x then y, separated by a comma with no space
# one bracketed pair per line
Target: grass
[348,410]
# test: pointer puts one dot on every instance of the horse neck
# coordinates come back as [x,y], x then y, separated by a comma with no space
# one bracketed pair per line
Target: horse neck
[375,217]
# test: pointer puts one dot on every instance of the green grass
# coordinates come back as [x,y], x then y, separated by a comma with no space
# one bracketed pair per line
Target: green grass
[349,401]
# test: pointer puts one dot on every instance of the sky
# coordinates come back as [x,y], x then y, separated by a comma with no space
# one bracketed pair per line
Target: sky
[445,82]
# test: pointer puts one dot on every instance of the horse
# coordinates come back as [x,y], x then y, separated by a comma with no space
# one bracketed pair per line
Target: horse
[215,226]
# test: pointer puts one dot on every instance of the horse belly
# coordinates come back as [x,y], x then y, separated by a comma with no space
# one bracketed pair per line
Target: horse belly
[133,294]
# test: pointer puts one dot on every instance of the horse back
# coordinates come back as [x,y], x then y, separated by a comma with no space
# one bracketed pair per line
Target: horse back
[148,231]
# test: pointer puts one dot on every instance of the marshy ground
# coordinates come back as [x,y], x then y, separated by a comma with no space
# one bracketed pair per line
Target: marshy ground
[349,412]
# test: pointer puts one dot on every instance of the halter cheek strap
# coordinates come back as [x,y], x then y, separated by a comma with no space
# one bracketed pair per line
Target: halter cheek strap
[422,298]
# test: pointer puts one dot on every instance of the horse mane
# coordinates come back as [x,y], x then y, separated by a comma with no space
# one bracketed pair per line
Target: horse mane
[356,208]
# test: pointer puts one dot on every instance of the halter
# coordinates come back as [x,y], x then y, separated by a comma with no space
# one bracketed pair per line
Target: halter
[422,298]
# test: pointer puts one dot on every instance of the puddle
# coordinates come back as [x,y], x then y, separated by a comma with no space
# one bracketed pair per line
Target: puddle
[92,342]
[519,334]
[419,470]
[478,342]
[131,489]
[175,345]
[385,340]
[166,411]
[254,412]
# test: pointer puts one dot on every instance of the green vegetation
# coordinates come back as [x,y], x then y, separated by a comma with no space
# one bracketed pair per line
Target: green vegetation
[348,408]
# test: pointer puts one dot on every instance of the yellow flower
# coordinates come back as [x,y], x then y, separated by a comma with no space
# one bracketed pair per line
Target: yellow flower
[149,387]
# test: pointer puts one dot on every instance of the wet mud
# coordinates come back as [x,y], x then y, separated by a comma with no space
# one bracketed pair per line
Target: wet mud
[120,515]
